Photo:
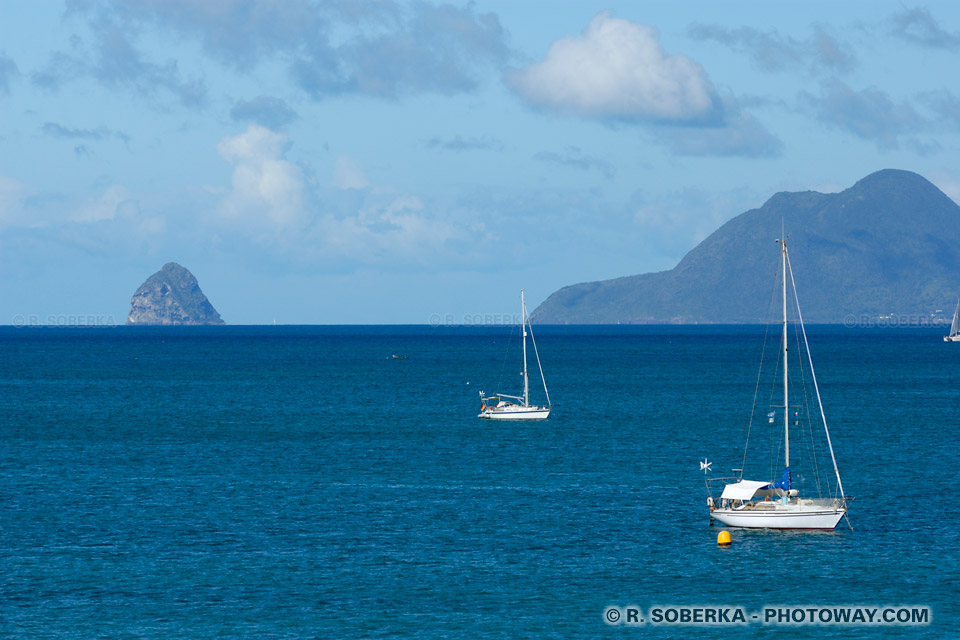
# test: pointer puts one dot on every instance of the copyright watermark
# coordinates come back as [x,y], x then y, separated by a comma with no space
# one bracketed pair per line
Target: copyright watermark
[895,320]
[64,320]
[775,615]
[474,319]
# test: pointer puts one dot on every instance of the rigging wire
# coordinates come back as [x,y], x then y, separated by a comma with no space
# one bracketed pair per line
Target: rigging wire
[804,408]
[756,391]
[539,366]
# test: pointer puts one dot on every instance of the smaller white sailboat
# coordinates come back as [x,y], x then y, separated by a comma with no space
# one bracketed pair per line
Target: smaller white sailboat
[769,504]
[954,335]
[506,407]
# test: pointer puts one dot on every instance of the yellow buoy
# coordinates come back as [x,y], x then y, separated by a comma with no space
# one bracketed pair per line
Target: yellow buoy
[723,539]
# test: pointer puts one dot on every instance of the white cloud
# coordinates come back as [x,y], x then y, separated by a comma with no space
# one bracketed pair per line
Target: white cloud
[398,229]
[106,206]
[617,69]
[267,189]
[349,222]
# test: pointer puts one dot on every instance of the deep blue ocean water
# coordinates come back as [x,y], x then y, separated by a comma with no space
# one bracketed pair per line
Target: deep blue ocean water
[298,482]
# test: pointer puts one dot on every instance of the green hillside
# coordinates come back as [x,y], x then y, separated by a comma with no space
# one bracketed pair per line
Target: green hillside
[888,245]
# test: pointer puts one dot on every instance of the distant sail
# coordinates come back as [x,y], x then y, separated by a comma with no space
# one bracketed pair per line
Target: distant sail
[954,335]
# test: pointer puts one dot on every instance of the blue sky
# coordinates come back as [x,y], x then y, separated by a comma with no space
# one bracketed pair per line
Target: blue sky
[386,162]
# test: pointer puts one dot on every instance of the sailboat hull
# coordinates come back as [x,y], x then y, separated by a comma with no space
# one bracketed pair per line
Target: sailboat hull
[792,517]
[516,413]
[951,338]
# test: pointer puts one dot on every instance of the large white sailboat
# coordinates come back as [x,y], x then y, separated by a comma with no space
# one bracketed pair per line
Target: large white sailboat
[768,504]
[954,335]
[506,407]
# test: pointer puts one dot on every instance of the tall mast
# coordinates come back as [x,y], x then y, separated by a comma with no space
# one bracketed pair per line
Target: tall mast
[523,323]
[786,392]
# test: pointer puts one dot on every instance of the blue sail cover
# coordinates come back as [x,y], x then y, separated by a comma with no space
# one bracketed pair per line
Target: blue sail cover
[784,481]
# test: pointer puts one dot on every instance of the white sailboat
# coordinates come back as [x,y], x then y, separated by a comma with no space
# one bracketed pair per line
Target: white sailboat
[765,504]
[955,327]
[505,407]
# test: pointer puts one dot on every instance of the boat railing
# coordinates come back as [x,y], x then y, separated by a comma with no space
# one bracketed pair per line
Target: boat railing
[713,495]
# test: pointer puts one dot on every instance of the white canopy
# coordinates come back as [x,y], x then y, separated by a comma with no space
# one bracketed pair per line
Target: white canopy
[743,490]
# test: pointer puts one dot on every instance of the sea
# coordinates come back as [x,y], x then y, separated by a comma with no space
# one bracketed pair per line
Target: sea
[301,482]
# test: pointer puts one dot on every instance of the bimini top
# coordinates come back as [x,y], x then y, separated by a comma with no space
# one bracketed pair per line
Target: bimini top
[743,490]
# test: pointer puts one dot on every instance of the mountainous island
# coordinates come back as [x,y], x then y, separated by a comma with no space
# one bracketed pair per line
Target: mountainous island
[171,296]
[887,246]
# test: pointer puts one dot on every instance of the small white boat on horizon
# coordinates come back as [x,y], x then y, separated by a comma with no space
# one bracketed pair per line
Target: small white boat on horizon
[954,335]
[506,407]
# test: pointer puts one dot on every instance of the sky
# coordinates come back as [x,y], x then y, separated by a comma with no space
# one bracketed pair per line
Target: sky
[384,162]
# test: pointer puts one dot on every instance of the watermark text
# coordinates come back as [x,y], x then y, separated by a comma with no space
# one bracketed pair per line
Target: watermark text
[774,615]
[474,319]
[64,320]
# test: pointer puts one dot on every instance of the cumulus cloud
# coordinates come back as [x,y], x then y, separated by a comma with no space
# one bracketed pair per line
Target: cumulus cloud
[869,114]
[772,51]
[99,222]
[267,190]
[398,228]
[618,70]
[271,207]
[281,211]
[920,27]
[272,113]
[114,201]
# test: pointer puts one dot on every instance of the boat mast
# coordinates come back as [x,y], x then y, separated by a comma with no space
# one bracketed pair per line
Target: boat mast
[786,392]
[523,324]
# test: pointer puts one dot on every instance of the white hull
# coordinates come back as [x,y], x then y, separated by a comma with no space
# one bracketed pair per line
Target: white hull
[781,517]
[951,338]
[516,413]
